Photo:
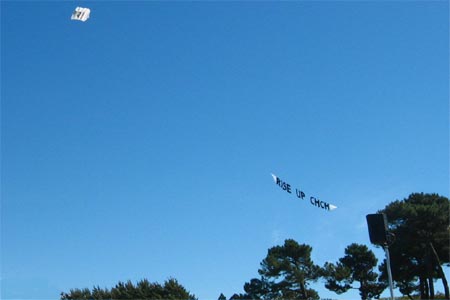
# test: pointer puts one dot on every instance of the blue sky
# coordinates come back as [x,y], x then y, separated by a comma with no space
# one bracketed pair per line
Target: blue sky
[140,143]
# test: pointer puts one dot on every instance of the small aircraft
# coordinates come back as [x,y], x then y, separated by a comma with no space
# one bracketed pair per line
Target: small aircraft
[81,14]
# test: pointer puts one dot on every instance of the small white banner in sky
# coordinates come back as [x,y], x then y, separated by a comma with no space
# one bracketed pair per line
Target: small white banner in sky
[81,14]
[301,195]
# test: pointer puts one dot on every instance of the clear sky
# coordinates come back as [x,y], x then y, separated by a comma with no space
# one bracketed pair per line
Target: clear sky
[140,143]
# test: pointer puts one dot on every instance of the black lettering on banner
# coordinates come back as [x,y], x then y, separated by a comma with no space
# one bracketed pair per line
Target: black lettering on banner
[300,194]
[317,202]
[284,185]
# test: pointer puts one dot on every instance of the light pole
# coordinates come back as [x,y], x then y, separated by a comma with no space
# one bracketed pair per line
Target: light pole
[388,265]
[378,233]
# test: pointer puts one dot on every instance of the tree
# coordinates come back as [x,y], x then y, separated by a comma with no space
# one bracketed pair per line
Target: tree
[148,290]
[238,297]
[222,297]
[421,227]
[101,294]
[356,266]
[124,291]
[256,289]
[171,290]
[287,270]
[74,294]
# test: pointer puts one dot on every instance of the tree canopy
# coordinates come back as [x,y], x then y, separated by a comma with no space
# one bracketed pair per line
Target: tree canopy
[420,224]
[358,265]
[285,273]
[170,290]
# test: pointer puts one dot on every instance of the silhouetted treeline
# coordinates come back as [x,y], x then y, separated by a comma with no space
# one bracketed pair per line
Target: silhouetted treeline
[170,290]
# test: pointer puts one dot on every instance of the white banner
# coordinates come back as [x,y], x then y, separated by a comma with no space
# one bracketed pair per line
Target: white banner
[301,195]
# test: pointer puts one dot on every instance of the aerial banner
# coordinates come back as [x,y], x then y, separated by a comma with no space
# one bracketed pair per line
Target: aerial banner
[301,195]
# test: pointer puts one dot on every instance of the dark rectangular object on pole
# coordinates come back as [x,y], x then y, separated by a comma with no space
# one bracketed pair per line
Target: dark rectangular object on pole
[377,224]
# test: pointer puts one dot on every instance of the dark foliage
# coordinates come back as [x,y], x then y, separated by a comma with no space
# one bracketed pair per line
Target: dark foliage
[170,290]
[357,265]
[420,224]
